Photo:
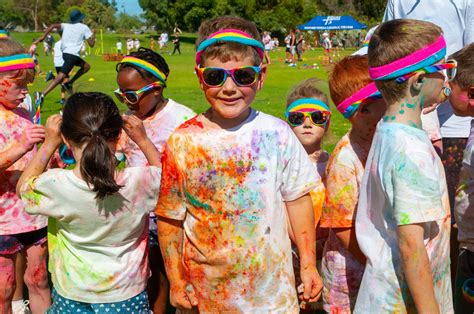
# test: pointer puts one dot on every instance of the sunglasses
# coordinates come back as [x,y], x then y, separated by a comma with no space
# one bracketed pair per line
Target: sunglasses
[317,117]
[450,69]
[133,97]
[243,76]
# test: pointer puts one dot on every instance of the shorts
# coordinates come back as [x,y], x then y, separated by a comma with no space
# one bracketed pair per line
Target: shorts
[137,304]
[287,50]
[58,69]
[293,50]
[14,243]
[70,61]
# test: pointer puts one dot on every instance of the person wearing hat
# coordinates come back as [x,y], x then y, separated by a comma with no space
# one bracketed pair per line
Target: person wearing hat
[74,34]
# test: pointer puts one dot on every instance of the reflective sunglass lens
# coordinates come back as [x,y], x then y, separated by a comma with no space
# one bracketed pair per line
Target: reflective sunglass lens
[131,97]
[318,117]
[296,118]
[245,76]
[213,77]
[119,97]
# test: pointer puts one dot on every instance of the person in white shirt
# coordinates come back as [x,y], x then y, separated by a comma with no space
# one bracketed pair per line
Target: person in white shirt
[119,46]
[74,35]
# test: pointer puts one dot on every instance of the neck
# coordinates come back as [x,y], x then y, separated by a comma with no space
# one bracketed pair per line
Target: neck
[405,111]
[314,152]
[161,103]
[225,123]
[362,136]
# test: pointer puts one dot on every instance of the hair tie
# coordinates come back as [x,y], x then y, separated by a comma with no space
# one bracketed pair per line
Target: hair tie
[229,35]
[147,66]
[16,62]
[366,94]
[424,57]
[306,105]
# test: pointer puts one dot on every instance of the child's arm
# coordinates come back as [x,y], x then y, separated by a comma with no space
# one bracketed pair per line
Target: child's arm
[42,157]
[48,30]
[301,215]
[134,128]
[170,236]
[347,236]
[416,267]
[31,135]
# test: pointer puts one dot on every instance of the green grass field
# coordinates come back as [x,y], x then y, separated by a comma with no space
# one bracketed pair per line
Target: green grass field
[182,83]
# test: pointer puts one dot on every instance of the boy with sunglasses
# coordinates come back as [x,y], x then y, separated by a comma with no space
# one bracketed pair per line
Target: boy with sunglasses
[141,77]
[227,175]
[403,218]
[359,101]
[462,101]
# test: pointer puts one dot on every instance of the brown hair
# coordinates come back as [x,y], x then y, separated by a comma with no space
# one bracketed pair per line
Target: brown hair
[348,76]
[465,71]
[10,47]
[394,40]
[226,51]
[306,89]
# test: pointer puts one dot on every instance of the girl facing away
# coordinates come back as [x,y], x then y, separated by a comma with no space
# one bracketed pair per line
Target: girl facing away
[98,245]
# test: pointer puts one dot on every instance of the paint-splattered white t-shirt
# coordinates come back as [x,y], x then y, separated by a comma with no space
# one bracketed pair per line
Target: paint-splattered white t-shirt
[98,252]
[229,187]
[403,184]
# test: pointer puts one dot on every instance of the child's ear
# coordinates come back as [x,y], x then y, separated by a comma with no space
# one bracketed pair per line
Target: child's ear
[68,144]
[470,95]
[261,76]
[417,81]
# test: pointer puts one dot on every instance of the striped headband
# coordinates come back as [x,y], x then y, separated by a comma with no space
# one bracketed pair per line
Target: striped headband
[366,94]
[306,105]
[16,62]
[3,34]
[424,57]
[147,66]
[229,35]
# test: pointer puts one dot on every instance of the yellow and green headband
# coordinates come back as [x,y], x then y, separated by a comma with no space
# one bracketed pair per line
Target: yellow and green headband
[147,66]
[16,62]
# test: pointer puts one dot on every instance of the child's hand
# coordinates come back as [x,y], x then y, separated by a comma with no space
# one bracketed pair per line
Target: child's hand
[134,128]
[53,130]
[32,135]
[310,289]
[182,295]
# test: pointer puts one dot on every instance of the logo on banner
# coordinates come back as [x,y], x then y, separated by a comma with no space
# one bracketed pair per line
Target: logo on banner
[329,19]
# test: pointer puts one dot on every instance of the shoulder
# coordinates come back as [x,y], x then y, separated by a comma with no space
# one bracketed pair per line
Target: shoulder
[180,108]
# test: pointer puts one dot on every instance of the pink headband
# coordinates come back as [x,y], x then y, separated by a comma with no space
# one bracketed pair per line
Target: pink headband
[349,105]
[426,56]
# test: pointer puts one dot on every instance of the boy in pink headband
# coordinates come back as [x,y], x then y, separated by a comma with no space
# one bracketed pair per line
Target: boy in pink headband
[227,175]
[403,217]
[358,100]
[20,233]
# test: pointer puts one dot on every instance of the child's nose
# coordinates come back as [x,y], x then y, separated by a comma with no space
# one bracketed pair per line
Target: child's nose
[229,84]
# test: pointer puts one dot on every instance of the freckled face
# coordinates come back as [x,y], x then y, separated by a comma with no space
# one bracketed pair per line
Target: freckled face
[12,93]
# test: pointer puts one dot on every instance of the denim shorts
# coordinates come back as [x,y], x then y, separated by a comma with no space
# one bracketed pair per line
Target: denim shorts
[14,243]
[138,304]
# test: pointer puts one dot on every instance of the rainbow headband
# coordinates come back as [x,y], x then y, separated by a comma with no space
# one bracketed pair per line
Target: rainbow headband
[3,34]
[229,35]
[306,105]
[16,62]
[422,58]
[147,66]
[366,94]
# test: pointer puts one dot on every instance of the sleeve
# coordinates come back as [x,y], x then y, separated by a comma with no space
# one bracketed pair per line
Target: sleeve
[171,203]
[35,195]
[417,195]
[430,123]
[148,187]
[299,176]
[389,12]
[87,32]
[469,27]
[342,196]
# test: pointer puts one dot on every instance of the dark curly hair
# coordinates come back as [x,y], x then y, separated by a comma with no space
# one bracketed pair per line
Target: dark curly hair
[150,56]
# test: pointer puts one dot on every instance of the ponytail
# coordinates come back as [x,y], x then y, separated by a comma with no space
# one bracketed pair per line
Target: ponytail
[93,120]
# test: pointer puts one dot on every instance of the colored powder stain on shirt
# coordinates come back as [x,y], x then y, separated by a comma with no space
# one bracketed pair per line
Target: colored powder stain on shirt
[404,218]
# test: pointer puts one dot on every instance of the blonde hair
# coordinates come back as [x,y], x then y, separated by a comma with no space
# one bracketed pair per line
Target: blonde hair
[9,47]
[306,89]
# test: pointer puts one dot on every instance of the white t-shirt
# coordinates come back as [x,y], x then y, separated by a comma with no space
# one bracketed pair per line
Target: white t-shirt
[456,18]
[119,45]
[73,37]
[327,43]
[403,184]
[463,206]
[58,55]
[229,188]
[98,250]
[158,128]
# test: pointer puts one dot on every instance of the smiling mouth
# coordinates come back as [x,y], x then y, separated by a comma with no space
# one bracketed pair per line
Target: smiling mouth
[229,100]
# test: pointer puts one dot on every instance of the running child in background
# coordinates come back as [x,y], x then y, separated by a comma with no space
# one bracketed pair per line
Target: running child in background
[403,217]
[34,55]
[357,99]
[227,175]
[141,78]
[74,34]
[118,46]
[461,82]
[99,259]
[58,62]
[20,233]
[309,116]
[267,42]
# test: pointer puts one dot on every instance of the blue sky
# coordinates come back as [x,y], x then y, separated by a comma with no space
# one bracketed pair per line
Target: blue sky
[130,6]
